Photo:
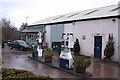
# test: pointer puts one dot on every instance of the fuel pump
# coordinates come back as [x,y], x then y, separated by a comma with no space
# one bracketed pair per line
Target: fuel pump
[39,49]
[66,59]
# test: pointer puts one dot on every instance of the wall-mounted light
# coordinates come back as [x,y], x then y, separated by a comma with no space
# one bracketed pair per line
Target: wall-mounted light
[113,20]
[97,33]
[73,23]
[84,37]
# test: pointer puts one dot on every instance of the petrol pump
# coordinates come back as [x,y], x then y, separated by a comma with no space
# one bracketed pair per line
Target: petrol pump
[66,59]
[39,49]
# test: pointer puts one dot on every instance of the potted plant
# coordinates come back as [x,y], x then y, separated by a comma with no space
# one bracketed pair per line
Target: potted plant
[33,50]
[48,53]
[109,49]
[81,63]
[76,47]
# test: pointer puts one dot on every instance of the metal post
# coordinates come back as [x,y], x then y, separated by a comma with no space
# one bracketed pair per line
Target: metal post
[26,19]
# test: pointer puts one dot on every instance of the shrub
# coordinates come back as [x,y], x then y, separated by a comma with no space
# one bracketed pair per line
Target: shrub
[33,50]
[81,62]
[1,62]
[10,74]
[48,52]
[109,50]
[76,47]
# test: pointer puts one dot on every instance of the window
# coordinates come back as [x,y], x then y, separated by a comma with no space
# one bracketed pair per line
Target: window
[91,12]
[72,15]
[30,36]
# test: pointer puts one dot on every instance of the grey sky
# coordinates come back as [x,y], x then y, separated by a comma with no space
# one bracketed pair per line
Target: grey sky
[18,10]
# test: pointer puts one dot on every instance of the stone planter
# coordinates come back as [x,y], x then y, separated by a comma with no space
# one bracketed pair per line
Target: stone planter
[81,63]
[48,59]
[80,70]
[77,53]
[47,55]
[107,59]
[33,55]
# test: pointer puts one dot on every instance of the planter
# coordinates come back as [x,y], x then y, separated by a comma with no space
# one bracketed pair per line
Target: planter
[77,53]
[47,55]
[48,59]
[33,51]
[33,55]
[36,55]
[80,70]
[81,63]
[107,59]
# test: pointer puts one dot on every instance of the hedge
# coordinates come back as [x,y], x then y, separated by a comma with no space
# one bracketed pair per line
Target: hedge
[13,74]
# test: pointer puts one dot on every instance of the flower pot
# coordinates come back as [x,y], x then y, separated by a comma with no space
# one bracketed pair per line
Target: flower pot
[77,53]
[48,59]
[80,70]
[107,59]
[33,55]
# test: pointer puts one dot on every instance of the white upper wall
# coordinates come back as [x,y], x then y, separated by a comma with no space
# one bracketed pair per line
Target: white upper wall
[47,35]
[90,29]
[119,40]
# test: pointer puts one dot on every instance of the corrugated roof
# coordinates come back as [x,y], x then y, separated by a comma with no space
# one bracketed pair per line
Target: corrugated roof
[31,29]
[80,15]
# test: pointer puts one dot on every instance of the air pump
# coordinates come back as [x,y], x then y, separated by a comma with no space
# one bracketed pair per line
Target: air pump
[66,58]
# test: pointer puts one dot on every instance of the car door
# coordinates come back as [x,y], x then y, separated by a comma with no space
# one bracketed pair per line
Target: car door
[16,44]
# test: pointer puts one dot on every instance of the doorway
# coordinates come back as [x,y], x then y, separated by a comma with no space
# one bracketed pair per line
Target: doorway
[98,47]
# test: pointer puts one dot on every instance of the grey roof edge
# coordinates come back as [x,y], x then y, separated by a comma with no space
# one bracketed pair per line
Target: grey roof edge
[115,16]
[32,29]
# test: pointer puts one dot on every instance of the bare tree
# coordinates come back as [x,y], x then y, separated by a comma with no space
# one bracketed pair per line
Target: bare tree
[9,32]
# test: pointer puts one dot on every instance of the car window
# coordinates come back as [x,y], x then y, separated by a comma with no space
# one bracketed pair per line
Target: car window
[14,42]
[21,42]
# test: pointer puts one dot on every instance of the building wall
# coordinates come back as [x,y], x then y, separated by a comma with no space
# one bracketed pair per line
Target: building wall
[30,34]
[56,32]
[30,38]
[47,35]
[119,40]
[92,28]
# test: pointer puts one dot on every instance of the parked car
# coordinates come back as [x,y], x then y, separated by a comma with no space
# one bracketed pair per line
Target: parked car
[8,42]
[19,44]
[3,45]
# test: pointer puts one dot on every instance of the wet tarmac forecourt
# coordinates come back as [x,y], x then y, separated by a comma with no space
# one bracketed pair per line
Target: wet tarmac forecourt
[19,60]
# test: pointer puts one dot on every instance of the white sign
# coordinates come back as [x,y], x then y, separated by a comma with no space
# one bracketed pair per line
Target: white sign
[39,51]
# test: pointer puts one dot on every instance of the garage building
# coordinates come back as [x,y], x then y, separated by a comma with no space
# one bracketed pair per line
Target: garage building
[92,27]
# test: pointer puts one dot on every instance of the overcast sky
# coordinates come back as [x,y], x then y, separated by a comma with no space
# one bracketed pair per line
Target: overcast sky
[35,10]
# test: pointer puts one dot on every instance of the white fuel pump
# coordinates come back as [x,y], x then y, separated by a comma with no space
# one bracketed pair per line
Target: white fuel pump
[66,59]
[39,50]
